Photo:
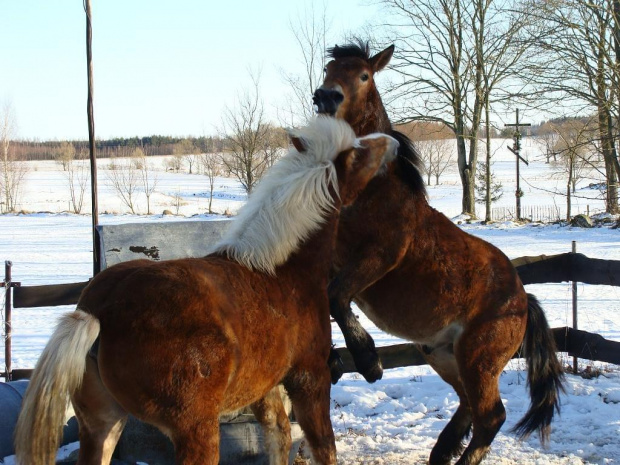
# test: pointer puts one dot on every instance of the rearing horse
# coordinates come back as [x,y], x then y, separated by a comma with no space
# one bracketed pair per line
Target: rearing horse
[183,341]
[418,276]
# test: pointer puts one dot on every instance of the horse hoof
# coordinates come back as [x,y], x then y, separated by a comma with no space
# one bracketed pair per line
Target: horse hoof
[368,364]
[336,371]
[336,366]
[373,373]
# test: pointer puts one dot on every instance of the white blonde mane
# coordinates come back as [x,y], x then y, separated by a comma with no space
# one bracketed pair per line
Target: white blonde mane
[291,201]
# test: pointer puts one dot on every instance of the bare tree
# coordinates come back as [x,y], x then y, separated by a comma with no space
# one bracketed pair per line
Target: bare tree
[436,155]
[440,156]
[76,172]
[435,72]
[275,141]
[309,30]
[450,55]
[212,167]
[175,163]
[65,154]
[572,146]
[177,202]
[245,129]
[123,175]
[187,151]
[148,178]
[499,47]
[547,139]
[435,143]
[578,61]
[12,171]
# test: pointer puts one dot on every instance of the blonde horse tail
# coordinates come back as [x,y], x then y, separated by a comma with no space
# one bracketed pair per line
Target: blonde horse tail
[58,374]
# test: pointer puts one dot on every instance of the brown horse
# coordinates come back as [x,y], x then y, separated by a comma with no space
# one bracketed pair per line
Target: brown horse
[181,342]
[418,276]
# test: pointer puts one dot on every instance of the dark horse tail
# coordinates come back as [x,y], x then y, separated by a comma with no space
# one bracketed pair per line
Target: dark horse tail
[545,375]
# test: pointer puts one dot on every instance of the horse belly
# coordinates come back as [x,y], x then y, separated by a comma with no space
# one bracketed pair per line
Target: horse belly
[436,343]
[412,323]
[257,374]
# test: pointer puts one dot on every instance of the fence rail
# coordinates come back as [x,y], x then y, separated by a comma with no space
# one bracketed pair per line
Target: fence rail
[576,343]
[539,269]
[538,213]
[567,267]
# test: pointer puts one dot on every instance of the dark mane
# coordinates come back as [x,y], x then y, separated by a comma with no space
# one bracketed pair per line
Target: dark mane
[360,49]
[410,163]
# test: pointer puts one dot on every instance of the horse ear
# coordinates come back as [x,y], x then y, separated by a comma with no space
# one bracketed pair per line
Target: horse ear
[381,59]
[356,171]
[300,145]
[350,157]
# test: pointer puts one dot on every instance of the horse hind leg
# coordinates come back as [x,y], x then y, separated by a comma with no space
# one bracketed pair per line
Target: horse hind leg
[482,352]
[270,413]
[101,419]
[488,415]
[450,441]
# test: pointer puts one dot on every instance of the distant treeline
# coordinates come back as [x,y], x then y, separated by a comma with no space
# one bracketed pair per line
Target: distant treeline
[117,147]
[164,145]
[430,130]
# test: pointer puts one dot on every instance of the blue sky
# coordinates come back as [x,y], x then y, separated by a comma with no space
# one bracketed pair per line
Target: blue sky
[160,67]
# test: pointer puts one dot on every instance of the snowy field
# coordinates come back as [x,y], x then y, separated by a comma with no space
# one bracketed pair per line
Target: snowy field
[396,420]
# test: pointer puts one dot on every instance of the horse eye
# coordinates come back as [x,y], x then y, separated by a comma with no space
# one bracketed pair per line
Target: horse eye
[325,70]
[364,77]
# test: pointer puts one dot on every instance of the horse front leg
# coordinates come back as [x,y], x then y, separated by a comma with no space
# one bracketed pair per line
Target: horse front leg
[309,390]
[369,265]
[350,280]
[358,341]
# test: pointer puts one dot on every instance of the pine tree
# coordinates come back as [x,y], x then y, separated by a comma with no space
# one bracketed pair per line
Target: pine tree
[481,185]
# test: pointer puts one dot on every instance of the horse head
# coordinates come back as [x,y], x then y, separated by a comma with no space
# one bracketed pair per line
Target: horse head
[356,164]
[349,85]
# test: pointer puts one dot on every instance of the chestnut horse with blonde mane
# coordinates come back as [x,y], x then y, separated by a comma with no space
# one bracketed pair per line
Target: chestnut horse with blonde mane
[418,276]
[181,342]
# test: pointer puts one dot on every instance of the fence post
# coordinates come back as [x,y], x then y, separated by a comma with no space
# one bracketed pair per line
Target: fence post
[574,291]
[7,319]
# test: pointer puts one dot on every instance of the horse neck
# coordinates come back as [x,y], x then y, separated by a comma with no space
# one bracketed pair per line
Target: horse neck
[314,255]
[375,118]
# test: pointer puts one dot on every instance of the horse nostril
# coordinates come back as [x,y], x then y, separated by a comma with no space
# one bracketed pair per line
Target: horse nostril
[318,93]
[327,100]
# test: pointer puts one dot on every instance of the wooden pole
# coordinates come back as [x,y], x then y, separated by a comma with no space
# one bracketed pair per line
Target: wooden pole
[518,191]
[574,291]
[91,137]
[7,321]
[516,150]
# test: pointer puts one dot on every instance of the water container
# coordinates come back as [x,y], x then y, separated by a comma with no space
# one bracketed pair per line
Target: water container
[11,395]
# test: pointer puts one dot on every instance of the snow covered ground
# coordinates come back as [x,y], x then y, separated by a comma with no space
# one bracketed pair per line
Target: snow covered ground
[396,420]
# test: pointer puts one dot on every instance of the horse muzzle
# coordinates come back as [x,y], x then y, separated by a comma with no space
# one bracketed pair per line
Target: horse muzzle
[326,101]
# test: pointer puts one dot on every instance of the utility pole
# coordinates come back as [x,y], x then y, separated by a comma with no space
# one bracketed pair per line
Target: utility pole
[91,137]
[516,149]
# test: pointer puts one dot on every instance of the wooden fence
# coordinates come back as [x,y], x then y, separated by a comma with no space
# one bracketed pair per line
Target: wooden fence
[532,270]
[539,213]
